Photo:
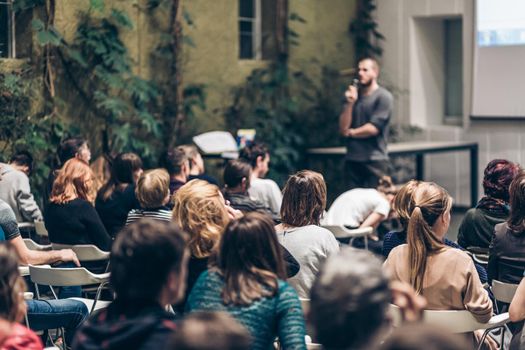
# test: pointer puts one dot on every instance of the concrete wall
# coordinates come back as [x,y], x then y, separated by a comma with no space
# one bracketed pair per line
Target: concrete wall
[412,62]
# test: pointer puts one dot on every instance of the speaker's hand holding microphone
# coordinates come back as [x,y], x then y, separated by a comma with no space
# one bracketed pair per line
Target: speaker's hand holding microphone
[351,92]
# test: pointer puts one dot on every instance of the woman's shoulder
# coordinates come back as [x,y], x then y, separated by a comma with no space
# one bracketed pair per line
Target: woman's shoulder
[286,291]
[401,249]
[22,338]
[457,254]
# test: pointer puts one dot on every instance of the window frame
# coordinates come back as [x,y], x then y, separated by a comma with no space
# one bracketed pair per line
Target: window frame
[11,42]
[256,21]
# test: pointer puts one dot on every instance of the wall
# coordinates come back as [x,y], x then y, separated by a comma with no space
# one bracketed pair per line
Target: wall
[411,64]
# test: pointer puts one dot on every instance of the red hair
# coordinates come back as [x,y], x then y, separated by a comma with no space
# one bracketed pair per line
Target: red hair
[74,180]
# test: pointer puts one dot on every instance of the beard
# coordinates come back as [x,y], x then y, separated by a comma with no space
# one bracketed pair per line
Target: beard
[366,83]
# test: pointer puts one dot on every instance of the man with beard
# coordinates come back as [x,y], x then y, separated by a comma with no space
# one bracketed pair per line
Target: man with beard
[364,123]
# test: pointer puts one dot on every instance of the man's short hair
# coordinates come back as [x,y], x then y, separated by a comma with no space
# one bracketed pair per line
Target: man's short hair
[374,61]
[207,330]
[152,189]
[252,152]
[23,158]
[143,255]
[173,160]
[236,170]
[69,148]
[349,299]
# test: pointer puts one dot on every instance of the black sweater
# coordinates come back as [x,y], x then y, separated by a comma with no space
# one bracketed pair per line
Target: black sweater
[76,222]
[114,211]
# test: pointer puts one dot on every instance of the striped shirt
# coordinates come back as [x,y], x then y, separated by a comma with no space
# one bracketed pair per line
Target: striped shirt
[155,214]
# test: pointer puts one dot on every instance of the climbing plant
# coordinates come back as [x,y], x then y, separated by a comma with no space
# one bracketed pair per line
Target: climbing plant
[364,31]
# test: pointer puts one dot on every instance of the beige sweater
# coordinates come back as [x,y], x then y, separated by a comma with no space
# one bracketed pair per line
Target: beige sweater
[450,282]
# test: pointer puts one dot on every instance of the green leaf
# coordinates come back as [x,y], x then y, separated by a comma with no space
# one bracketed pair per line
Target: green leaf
[97,5]
[295,17]
[122,18]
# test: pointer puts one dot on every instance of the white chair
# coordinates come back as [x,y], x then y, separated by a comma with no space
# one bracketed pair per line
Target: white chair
[503,292]
[341,232]
[40,229]
[455,321]
[67,277]
[84,252]
[32,245]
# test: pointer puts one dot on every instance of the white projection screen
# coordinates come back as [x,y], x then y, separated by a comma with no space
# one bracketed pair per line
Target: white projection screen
[498,89]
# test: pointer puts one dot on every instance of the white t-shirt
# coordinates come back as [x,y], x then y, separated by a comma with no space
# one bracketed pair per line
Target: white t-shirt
[353,207]
[310,246]
[267,192]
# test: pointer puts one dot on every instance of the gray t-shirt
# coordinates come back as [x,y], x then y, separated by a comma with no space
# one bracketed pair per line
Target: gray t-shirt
[375,108]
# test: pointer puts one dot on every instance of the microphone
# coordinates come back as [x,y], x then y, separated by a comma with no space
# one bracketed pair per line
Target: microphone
[355,83]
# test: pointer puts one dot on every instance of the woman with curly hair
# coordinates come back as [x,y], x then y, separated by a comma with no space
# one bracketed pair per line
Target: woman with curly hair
[70,217]
[477,227]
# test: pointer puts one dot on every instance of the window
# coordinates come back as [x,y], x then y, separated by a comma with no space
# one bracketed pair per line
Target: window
[256,29]
[453,65]
[7,24]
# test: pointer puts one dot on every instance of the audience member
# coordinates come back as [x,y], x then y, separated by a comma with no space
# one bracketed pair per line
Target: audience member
[509,238]
[12,305]
[304,201]
[403,205]
[200,211]
[423,337]
[446,277]
[363,207]
[70,217]
[246,281]
[349,300]
[237,175]
[177,163]
[197,170]
[73,147]
[43,314]
[15,189]
[148,272]
[117,197]
[477,227]
[153,194]
[205,330]
[264,190]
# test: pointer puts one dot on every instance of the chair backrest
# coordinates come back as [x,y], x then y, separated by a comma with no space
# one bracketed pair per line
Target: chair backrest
[84,252]
[32,245]
[504,292]
[343,232]
[40,229]
[456,321]
[64,277]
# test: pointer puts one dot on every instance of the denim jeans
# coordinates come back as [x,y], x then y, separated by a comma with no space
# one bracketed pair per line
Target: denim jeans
[50,314]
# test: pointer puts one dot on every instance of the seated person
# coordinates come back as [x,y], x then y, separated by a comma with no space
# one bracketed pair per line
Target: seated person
[197,170]
[15,189]
[177,163]
[207,330]
[117,197]
[153,194]
[517,314]
[446,277]
[509,238]
[363,207]
[246,280]
[346,312]
[43,314]
[237,175]
[304,201]
[264,190]
[70,217]
[403,205]
[477,227]
[137,319]
[73,147]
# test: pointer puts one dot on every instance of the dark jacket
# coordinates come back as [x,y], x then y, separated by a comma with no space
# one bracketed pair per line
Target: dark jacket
[506,255]
[477,227]
[126,327]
